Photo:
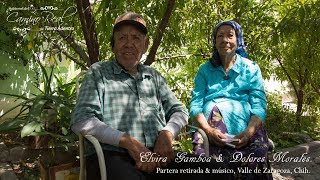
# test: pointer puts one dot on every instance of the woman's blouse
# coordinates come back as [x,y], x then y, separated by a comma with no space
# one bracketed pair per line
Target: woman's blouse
[238,97]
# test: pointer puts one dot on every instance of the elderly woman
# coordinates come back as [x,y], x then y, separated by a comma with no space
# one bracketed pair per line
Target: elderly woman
[229,104]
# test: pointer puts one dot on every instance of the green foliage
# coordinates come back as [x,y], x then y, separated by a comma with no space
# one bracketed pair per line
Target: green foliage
[27,170]
[277,114]
[280,120]
[296,48]
[47,113]
[183,145]
[180,77]
[184,142]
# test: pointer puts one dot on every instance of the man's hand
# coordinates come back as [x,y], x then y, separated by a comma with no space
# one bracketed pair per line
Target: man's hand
[136,149]
[163,147]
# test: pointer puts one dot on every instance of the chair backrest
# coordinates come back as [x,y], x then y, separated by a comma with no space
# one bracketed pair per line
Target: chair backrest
[81,139]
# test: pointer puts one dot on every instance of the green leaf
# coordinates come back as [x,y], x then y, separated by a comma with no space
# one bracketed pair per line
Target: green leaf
[23,106]
[64,131]
[15,95]
[37,107]
[11,125]
[31,128]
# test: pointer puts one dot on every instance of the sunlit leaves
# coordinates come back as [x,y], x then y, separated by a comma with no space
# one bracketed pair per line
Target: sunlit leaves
[296,47]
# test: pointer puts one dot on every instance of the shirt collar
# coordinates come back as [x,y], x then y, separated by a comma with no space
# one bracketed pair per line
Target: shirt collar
[116,67]
[142,70]
[145,73]
[237,64]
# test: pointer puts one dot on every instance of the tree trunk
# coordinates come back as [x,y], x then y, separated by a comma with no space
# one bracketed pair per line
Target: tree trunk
[299,110]
[299,93]
[163,24]
[88,29]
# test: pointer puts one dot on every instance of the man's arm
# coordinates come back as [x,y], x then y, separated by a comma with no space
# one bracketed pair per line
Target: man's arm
[114,137]
[177,121]
[99,130]
[176,116]
[164,142]
[88,112]
[89,101]
[176,113]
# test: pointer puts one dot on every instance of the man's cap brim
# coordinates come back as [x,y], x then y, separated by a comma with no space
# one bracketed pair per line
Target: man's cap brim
[138,25]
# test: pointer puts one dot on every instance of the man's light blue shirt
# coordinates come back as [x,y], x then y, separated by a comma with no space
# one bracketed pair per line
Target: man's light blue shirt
[140,106]
[237,98]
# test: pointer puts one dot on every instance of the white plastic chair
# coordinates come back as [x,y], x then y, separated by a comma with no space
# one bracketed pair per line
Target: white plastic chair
[94,141]
[205,139]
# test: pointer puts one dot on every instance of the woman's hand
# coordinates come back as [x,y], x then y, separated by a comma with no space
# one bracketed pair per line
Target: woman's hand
[244,139]
[215,136]
[254,124]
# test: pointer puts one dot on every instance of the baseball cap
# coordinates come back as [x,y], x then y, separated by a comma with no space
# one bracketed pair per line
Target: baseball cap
[131,18]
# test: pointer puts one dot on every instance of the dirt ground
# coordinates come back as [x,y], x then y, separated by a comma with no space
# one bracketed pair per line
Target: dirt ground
[297,163]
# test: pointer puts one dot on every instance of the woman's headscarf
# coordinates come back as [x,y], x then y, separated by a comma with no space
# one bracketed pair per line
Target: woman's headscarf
[241,49]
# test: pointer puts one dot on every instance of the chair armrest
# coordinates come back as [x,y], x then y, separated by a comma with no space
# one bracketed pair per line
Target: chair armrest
[97,146]
[205,139]
[82,175]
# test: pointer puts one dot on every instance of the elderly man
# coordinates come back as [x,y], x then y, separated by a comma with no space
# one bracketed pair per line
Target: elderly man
[128,107]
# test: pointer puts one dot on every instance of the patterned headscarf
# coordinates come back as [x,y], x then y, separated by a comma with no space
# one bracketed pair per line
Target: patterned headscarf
[241,49]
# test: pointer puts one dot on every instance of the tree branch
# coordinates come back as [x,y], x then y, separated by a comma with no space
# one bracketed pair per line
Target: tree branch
[289,77]
[88,29]
[163,24]
[75,46]
[70,57]
[317,90]
[184,55]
